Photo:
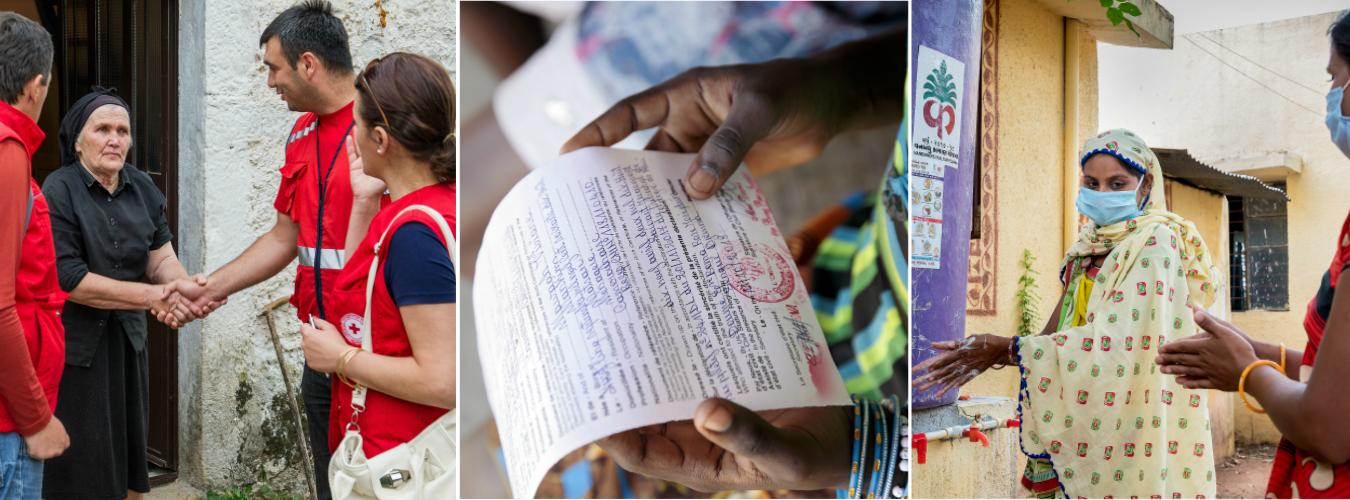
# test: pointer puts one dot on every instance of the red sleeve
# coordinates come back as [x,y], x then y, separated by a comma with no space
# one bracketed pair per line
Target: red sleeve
[21,393]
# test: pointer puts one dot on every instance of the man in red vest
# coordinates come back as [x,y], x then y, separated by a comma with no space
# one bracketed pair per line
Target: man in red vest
[32,341]
[309,65]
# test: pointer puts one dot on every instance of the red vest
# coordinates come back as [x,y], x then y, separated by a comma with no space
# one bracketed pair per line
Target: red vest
[38,295]
[387,421]
[316,193]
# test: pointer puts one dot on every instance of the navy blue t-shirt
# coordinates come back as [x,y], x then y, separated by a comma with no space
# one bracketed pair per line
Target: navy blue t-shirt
[418,268]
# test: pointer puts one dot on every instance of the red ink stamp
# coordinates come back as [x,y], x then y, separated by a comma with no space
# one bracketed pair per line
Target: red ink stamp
[765,275]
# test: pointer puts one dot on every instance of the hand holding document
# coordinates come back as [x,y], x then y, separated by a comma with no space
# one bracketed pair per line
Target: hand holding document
[608,300]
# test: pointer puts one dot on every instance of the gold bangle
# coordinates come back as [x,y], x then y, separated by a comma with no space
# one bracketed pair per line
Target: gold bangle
[1282,360]
[345,358]
[1242,382]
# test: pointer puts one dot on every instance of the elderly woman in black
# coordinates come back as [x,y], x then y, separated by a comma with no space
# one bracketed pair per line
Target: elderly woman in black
[113,255]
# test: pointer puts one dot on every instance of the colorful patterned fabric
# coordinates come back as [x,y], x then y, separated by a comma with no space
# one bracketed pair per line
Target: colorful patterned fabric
[860,287]
[1039,478]
[629,46]
[1093,403]
[1296,473]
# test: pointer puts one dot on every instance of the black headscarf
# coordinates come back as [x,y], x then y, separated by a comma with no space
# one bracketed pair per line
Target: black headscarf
[78,114]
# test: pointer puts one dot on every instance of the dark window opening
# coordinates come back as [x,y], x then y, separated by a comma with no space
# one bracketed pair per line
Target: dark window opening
[1259,264]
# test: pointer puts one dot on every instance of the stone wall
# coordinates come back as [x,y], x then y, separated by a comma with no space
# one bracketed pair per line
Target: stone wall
[234,417]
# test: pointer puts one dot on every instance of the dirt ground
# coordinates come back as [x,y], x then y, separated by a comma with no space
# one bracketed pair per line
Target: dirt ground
[1244,475]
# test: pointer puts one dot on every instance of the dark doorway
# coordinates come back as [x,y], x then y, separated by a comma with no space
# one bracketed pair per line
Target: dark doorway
[131,45]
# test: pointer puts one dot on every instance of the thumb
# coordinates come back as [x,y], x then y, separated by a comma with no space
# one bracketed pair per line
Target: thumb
[201,279]
[749,120]
[353,154]
[1209,323]
[745,433]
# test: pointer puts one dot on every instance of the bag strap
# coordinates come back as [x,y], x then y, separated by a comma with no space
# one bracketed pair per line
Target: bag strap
[367,344]
[27,213]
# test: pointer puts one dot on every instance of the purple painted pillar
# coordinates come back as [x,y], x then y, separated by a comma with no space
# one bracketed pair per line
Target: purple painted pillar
[945,74]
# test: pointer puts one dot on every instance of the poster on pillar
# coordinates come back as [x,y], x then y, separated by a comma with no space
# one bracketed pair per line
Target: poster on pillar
[937,132]
[945,43]
[926,235]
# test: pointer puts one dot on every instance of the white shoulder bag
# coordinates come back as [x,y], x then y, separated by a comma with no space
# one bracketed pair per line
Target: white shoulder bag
[427,466]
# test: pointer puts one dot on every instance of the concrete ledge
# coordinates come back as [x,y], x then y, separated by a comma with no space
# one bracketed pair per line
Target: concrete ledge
[1269,167]
[962,469]
[1154,23]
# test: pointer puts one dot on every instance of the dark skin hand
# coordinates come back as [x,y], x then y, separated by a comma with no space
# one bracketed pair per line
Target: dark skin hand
[1182,361]
[960,361]
[769,115]
[727,446]
[1310,415]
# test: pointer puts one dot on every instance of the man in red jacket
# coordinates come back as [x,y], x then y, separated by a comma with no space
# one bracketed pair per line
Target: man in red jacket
[309,65]
[32,341]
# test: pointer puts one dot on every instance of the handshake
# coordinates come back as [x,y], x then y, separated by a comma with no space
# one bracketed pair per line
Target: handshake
[183,301]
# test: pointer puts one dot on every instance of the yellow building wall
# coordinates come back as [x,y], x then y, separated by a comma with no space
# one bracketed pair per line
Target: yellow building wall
[1031,110]
[1317,209]
[1209,212]
[1030,161]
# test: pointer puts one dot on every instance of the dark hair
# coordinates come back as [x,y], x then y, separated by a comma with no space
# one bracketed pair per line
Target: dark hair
[310,26]
[25,52]
[1339,32]
[413,98]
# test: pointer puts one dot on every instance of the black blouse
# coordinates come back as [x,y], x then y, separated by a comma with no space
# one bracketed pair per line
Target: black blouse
[109,234]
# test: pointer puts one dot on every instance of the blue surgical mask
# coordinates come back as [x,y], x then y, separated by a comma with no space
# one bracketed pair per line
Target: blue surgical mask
[1338,124]
[1109,207]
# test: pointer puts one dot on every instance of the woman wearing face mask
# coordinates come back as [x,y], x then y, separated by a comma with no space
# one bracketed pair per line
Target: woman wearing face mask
[1300,390]
[1098,417]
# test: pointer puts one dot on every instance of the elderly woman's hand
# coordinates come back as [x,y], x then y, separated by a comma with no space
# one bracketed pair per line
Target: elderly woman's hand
[163,303]
[1213,359]
[961,361]
[323,345]
[198,300]
[728,447]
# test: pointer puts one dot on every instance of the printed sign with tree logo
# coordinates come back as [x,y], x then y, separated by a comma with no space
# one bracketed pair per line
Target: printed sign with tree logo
[939,100]
[937,129]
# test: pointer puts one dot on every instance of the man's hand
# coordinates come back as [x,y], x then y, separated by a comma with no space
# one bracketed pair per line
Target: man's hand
[728,447]
[165,304]
[198,299]
[50,442]
[364,187]
[770,115]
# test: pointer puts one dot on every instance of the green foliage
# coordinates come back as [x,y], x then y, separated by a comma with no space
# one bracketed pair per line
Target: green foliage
[1027,298]
[260,491]
[1116,10]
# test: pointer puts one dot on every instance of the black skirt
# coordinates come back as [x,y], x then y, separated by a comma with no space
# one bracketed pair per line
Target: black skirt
[104,408]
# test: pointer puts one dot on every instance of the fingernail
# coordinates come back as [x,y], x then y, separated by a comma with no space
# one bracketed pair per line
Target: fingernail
[719,420]
[704,179]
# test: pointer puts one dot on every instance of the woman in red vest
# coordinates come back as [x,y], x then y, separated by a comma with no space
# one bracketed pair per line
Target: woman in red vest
[402,306]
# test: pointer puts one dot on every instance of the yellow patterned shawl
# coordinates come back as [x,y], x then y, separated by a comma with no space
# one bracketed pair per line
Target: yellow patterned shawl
[1093,402]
